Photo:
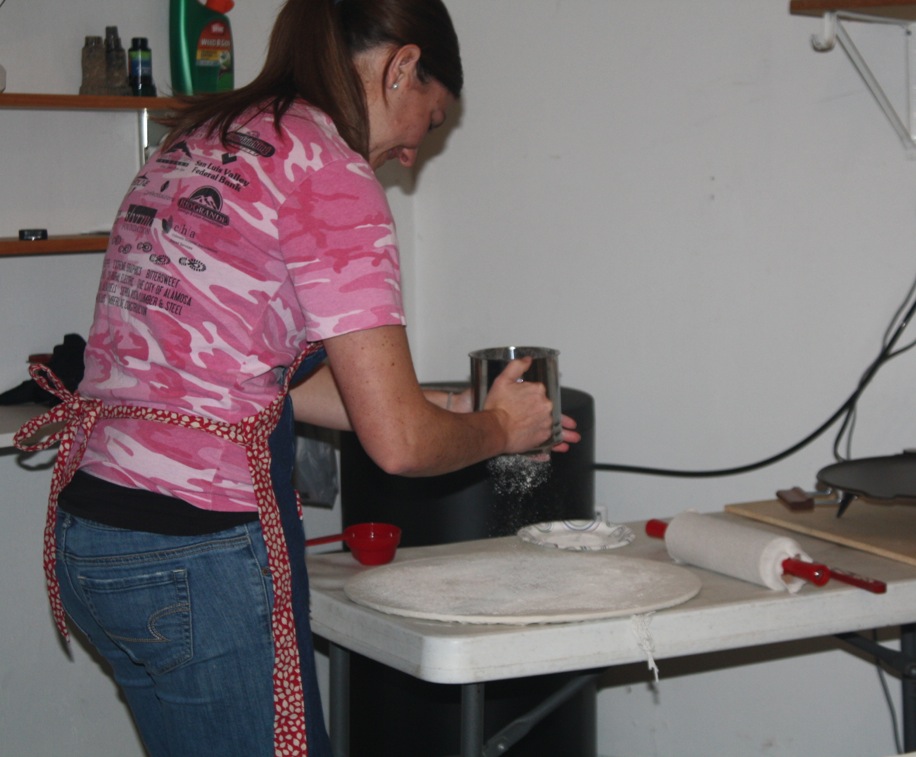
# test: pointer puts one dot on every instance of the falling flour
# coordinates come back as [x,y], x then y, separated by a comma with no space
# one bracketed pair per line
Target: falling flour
[518,475]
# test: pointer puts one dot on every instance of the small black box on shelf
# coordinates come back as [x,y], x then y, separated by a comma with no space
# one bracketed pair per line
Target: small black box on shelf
[32,235]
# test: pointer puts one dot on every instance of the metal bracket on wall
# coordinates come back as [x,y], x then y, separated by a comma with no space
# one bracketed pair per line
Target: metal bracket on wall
[834,32]
[150,134]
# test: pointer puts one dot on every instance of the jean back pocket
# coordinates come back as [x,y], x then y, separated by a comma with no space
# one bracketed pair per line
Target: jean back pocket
[148,616]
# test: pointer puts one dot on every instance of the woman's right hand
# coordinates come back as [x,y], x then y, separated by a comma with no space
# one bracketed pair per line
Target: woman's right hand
[524,411]
[378,396]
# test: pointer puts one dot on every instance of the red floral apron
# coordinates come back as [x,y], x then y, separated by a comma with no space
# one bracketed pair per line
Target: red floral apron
[72,422]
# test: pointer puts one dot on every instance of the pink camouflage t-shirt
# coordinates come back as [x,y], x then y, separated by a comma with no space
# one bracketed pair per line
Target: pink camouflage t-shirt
[223,264]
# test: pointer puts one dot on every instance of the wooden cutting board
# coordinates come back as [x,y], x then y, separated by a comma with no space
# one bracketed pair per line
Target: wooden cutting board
[886,529]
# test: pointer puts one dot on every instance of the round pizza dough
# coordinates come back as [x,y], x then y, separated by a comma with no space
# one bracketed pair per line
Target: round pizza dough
[523,586]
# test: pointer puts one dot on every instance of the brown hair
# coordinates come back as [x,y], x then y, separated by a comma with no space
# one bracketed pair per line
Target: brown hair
[310,56]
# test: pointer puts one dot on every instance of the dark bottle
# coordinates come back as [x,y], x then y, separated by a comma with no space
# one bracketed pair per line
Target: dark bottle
[140,68]
[115,63]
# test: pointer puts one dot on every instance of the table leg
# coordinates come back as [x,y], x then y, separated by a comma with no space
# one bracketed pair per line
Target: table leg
[340,700]
[472,712]
[902,662]
[908,649]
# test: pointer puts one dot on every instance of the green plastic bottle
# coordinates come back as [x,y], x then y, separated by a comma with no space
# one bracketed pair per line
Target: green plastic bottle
[200,46]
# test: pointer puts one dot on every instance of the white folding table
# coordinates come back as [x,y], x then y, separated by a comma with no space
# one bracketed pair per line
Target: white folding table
[726,614]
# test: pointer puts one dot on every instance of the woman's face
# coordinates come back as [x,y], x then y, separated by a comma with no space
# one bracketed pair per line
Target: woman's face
[402,108]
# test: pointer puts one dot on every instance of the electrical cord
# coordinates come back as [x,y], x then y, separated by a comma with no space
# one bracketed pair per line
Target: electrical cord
[847,410]
[890,335]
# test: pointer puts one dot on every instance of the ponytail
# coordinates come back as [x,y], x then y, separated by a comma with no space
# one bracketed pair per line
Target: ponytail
[310,56]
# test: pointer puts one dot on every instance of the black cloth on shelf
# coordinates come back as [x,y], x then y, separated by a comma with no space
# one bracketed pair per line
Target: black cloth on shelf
[66,363]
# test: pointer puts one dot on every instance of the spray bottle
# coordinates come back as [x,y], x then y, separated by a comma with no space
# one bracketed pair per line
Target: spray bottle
[200,46]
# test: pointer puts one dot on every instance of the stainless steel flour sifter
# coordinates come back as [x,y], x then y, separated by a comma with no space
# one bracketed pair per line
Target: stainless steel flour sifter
[487,364]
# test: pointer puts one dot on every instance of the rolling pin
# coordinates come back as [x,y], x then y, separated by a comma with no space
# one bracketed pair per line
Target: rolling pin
[759,557]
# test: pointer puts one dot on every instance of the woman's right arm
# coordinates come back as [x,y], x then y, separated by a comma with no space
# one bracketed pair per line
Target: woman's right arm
[405,433]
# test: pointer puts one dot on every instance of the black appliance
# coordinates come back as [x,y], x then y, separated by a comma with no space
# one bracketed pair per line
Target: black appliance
[395,714]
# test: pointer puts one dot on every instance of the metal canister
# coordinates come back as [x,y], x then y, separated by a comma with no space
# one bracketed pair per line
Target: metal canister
[487,364]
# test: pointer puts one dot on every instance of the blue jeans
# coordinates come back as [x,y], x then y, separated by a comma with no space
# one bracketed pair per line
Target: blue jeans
[184,622]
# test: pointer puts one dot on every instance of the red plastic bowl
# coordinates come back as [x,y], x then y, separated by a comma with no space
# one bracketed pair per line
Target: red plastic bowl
[373,543]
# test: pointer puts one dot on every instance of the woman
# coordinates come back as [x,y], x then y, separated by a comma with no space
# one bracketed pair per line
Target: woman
[253,253]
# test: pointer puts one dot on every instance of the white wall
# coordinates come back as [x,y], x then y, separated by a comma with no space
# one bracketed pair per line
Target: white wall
[710,221]
[714,225]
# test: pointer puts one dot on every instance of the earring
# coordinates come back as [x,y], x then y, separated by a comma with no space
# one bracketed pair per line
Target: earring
[394,86]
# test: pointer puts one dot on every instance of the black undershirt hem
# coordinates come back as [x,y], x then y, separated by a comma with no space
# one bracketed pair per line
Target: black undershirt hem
[139,510]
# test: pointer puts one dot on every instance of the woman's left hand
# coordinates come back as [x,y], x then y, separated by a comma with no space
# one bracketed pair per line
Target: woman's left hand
[570,435]
[459,402]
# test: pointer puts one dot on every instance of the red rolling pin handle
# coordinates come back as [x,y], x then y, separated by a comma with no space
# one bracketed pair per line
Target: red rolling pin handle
[854,579]
[810,571]
[656,528]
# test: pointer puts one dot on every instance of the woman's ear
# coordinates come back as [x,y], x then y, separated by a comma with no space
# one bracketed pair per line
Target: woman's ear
[402,67]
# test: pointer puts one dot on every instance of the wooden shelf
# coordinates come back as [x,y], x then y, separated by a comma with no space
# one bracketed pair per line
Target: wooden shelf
[10,246]
[27,101]
[63,244]
[904,10]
